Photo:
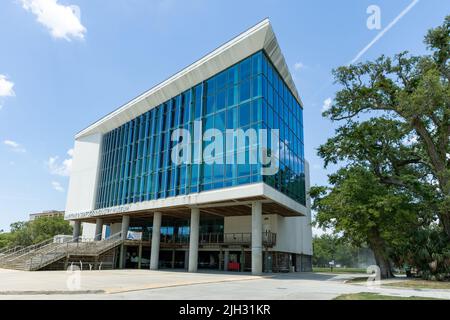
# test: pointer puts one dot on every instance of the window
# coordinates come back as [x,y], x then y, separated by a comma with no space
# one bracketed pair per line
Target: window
[232,76]
[232,95]
[257,63]
[232,118]
[219,121]
[221,81]
[211,86]
[244,91]
[220,103]
[244,114]
[210,104]
[245,68]
[136,157]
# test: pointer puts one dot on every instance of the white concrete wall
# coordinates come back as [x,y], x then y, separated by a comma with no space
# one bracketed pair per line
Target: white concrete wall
[116,228]
[292,232]
[83,178]
[243,224]
[307,231]
[289,234]
[88,230]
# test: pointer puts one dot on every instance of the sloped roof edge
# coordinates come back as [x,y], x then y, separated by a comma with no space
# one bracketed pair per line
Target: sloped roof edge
[259,37]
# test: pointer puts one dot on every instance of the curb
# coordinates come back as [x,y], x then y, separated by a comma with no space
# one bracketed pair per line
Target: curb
[54,292]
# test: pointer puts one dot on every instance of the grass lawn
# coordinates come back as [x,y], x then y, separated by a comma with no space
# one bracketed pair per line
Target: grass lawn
[340,270]
[376,296]
[419,284]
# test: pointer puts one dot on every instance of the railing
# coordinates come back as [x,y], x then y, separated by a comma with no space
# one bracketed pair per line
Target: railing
[268,238]
[83,245]
[55,252]
[74,246]
[174,239]
[23,252]
[8,250]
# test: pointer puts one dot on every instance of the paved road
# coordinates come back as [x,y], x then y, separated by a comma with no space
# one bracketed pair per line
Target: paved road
[145,284]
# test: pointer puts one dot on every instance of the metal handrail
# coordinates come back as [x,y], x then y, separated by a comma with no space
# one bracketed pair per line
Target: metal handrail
[8,250]
[27,250]
[46,253]
[268,238]
[55,250]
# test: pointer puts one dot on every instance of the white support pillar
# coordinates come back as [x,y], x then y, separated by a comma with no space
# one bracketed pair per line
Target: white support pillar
[256,238]
[124,232]
[156,236]
[125,226]
[76,230]
[98,229]
[193,239]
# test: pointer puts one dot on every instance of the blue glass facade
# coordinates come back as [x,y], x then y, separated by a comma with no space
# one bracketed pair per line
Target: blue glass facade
[136,161]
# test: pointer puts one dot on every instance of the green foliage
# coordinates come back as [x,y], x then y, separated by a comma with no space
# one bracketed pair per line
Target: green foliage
[362,209]
[36,231]
[415,92]
[330,247]
[394,191]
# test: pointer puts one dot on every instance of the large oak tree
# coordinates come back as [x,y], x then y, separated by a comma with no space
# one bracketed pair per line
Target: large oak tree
[415,91]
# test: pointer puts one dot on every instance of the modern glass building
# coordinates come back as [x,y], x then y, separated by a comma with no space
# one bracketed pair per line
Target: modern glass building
[136,161]
[218,207]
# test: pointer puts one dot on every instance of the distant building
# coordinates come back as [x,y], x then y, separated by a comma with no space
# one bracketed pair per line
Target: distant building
[46,214]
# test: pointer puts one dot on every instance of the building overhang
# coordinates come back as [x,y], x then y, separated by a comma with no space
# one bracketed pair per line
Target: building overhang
[234,201]
[259,37]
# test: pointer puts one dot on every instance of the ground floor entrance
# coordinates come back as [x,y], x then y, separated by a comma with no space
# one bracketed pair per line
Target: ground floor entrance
[137,255]
[226,236]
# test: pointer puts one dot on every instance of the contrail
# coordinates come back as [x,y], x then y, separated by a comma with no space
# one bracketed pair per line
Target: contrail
[381,34]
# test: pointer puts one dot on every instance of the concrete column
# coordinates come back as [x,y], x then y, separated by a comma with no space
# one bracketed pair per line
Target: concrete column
[193,239]
[124,231]
[140,256]
[125,226]
[173,259]
[76,230]
[156,236]
[186,259]
[226,260]
[98,229]
[256,238]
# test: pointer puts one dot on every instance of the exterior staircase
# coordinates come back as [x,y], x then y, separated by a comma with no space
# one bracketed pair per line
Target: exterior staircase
[38,256]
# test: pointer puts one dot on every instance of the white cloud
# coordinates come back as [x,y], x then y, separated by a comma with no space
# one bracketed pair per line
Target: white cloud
[326,104]
[6,87]
[14,146]
[298,66]
[62,169]
[62,21]
[57,186]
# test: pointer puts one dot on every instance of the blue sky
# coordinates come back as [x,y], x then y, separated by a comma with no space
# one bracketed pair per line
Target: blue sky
[62,68]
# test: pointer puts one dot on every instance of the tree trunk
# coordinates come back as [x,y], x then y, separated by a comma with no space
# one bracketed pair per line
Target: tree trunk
[444,214]
[377,245]
[445,220]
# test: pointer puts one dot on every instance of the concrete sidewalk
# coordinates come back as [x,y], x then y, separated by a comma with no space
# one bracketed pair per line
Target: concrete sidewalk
[180,285]
[110,281]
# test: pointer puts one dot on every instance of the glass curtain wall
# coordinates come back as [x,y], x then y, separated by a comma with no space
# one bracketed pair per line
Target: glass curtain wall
[136,160]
